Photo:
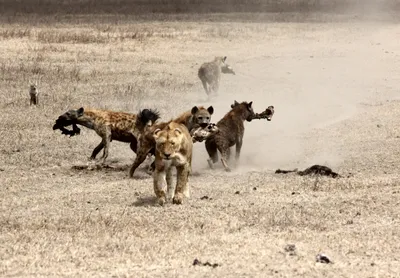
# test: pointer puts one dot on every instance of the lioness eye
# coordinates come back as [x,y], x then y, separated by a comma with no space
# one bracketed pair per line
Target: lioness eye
[208,118]
[200,118]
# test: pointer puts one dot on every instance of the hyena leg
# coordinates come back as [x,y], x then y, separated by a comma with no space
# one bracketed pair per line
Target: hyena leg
[160,184]
[205,86]
[107,141]
[133,146]
[239,142]
[212,151]
[182,174]
[215,87]
[97,150]
[225,154]
[140,157]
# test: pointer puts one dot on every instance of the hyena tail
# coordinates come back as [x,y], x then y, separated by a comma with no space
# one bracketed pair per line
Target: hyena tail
[147,116]
[212,150]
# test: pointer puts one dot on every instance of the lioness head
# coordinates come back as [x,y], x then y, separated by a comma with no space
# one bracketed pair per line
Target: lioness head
[169,140]
[201,115]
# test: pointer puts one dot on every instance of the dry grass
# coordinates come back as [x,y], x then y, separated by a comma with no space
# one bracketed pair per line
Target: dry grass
[59,221]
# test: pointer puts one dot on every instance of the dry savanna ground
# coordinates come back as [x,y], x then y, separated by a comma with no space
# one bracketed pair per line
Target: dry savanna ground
[333,80]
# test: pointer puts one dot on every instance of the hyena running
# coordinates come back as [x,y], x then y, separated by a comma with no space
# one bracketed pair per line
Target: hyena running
[109,125]
[230,133]
[210,74]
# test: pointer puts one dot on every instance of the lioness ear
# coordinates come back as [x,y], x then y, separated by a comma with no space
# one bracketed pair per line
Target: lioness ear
[223,59]
[80,111]
[156,133]
[250,103]
[178,131]
[210,110]
[194,110]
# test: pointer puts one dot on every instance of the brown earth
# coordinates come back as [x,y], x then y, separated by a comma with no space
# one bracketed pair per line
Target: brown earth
[334,83]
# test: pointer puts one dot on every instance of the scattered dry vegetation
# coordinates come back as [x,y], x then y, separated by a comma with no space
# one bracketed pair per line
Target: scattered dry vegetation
[126,55]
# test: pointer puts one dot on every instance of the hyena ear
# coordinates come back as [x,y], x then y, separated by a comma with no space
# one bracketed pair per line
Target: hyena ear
[223,59]
[235,103]
[80,111]
[250,103]
[156,133]
[178,131]
[210,110]
[194,110]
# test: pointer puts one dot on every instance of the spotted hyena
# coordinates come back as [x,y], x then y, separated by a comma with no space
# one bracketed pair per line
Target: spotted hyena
[210,74]
[33,94]
[109,125]
[230,133]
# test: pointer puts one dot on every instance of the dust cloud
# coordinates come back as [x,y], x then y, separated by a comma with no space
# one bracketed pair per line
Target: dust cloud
[314,82]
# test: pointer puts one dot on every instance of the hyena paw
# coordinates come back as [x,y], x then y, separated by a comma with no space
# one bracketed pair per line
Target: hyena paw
[227,169]
[178,199]
[210,163]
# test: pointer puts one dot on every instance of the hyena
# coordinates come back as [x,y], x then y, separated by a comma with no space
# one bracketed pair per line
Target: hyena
[230,133]
[34,94]
[109,125]
[210,74]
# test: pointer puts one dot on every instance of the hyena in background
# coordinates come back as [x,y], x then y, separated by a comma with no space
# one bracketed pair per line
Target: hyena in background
[210,74]
[34,95]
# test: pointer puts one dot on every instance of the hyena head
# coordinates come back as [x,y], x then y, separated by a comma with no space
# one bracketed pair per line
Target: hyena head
[225,68]
[201,115]
[68,118]
[245,108]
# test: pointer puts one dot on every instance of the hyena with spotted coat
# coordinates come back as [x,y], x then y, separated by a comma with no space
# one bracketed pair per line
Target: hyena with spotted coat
[230,133]
[109,125]
[210,74]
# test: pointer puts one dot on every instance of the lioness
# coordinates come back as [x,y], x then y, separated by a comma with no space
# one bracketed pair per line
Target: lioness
[173,149]
[198,116]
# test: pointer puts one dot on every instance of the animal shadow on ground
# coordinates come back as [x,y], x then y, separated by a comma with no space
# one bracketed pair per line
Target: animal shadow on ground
[146,201]
[107,168]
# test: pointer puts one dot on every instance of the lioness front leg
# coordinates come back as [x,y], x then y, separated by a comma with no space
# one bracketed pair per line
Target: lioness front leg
[170,186]
[160,184]
[182,173]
